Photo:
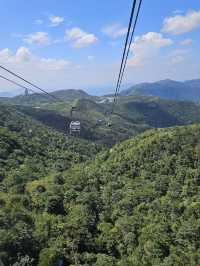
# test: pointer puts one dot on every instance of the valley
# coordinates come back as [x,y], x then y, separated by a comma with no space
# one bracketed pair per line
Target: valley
[132,115]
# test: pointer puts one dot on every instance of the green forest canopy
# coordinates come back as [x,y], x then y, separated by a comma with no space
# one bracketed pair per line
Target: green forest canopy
[135,204]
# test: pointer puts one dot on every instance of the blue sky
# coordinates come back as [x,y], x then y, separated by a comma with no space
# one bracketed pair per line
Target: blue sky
[78,44]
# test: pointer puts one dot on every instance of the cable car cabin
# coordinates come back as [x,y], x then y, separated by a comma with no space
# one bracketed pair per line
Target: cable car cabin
[75,127]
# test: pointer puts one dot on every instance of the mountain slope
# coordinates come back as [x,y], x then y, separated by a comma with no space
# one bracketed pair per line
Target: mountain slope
[169,89]
[147,199]
[137,204]
[157,112]
[132,115]
[24,140]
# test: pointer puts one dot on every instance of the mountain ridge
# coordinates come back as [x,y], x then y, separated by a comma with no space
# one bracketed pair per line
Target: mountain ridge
[35,98]
[146,88]
[169,89]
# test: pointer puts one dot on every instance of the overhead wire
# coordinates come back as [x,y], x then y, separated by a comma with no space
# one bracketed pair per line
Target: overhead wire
[125,45]
[130,43]
[22,86]
[30,83]
[16,83]
[127,50]
[45,94]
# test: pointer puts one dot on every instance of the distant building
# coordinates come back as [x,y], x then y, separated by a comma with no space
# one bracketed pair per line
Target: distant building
[26,92]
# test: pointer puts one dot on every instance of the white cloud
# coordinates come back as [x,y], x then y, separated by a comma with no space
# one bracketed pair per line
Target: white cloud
[186,42]
[56,41]
[153,38]
[39,21]
[5,54]
[80,38]
[90,57]
[178,11]
[147,47]
[22,55]
[115,30]
[114,43]
[177,56]
[53,64]
[177,60]
[25,59]
[40,38]
[56,20]
[180,24]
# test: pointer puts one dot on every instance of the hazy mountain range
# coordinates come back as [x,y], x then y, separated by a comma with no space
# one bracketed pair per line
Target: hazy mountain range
[168,89]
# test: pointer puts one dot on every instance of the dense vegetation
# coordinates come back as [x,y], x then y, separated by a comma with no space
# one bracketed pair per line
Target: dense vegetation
[156,112]
[135,204]
[28,148]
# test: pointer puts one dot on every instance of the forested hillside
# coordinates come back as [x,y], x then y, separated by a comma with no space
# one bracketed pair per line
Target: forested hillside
[135,204]
[157,112]
[28,146]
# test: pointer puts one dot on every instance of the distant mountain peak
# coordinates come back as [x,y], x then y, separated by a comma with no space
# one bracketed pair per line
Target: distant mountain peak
[168,89]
